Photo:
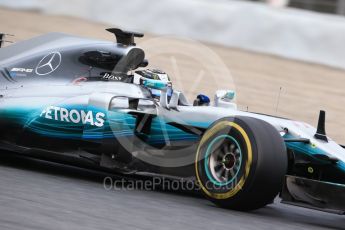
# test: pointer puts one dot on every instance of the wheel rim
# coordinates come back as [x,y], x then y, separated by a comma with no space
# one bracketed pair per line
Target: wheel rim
[223,160]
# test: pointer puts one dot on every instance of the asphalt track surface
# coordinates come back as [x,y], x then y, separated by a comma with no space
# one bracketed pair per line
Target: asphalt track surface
[41,195]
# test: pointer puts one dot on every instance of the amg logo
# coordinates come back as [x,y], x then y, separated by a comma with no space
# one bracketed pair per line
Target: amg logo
[23,70]
[108,76]
[74,116]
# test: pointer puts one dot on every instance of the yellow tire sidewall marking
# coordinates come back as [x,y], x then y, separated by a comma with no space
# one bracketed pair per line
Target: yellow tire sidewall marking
[240,184]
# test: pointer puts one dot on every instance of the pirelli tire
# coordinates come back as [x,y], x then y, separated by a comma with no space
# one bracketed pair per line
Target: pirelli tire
[240,163]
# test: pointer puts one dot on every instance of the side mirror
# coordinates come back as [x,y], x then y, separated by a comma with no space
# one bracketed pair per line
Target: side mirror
[225,99]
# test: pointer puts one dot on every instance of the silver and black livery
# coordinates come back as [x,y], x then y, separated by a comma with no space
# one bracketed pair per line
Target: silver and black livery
[77,101]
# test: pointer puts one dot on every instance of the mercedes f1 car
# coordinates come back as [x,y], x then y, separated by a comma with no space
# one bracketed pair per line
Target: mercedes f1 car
[92,103]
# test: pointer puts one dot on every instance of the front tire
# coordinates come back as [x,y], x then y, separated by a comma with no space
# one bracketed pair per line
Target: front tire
[240,163]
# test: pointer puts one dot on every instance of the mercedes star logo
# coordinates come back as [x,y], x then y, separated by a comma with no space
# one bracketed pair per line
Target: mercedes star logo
[48,64]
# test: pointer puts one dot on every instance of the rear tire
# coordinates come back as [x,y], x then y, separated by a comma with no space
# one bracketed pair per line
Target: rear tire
[240,163]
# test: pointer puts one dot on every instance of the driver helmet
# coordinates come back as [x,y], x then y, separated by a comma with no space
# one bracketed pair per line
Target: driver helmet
[155,75]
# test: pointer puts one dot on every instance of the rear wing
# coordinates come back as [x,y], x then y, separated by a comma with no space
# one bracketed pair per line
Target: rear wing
[2,39]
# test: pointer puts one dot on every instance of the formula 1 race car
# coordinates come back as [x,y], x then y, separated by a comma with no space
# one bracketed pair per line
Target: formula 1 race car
[92,103]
